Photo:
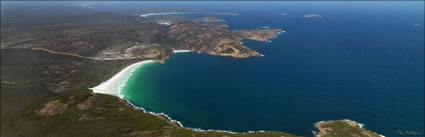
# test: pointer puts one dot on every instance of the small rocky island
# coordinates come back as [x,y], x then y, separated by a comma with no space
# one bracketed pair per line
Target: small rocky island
[312,16]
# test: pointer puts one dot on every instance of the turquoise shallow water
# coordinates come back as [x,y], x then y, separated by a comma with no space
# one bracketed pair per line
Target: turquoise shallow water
[365,64]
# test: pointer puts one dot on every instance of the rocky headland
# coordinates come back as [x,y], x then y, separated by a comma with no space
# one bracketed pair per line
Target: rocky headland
[210,19]
[216,40]
[342,128]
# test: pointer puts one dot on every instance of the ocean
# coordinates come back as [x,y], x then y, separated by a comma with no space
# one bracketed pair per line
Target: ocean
[362,61]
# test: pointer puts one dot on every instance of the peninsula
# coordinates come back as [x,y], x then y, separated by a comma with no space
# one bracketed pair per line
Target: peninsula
[148,40]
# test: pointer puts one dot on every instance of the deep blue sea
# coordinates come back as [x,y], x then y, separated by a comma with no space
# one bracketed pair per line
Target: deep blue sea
[362,61]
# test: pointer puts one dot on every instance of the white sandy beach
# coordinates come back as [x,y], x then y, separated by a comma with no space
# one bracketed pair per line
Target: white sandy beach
[180,51]
[110,86]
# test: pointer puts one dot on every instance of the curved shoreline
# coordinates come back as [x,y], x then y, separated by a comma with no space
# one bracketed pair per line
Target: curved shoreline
[114,85]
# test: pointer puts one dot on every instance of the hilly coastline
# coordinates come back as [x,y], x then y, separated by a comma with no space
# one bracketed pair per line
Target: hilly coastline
[132,41]
[49,68]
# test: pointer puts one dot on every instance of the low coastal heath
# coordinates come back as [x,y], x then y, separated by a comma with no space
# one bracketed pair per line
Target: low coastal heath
[112,86]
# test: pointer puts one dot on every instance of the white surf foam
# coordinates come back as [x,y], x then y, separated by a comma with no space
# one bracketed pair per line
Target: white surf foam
[157,14]
[359,124]
[114,85]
